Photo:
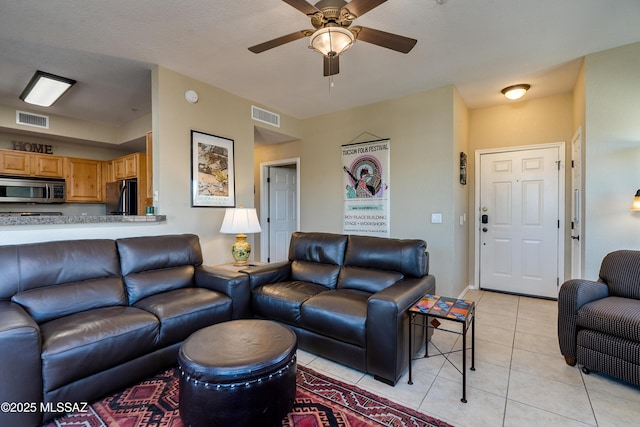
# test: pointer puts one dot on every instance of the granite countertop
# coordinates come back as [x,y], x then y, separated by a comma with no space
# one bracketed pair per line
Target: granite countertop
[80,219]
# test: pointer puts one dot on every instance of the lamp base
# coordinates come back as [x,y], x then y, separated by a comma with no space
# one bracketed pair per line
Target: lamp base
[241,250]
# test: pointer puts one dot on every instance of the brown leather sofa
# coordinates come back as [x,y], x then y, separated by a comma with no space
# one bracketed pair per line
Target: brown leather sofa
[82,318]
[347,297]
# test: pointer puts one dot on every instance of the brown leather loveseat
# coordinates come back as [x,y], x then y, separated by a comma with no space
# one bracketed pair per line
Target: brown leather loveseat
[347,297]
[82,318]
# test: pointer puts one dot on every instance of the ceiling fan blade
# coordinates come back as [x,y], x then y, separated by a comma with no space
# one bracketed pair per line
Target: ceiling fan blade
[382,38]
[279,41]
[360,7]
[302,6]
[331,65]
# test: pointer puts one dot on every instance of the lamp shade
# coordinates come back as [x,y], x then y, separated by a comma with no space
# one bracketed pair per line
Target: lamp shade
[636,202]
[44,89]
[331,41]
[240,221]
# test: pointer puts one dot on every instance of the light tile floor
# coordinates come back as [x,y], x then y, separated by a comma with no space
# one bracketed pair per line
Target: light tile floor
[520,380]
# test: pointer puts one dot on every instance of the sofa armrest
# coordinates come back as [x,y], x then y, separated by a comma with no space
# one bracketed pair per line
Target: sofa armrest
[388,326]
[574,294]
[21,365]
[270,273]
[231,283]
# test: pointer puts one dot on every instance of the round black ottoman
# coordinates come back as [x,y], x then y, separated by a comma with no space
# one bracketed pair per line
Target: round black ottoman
[237,373]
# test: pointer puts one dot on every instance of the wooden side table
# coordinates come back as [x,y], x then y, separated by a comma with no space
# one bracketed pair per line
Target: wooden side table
[450,309]
[230,266]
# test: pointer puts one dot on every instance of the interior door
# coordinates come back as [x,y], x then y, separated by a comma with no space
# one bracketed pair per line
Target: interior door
[519,222]
[282,211]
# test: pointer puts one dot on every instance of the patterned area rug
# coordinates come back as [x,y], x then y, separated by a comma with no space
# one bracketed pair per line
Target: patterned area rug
[320,402]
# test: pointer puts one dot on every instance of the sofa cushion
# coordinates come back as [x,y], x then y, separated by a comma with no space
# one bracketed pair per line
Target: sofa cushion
[282,301]
[620,270]
[50,302]
[183,311]
[324,248]
[406,256]
[158,252]
[147,283]
[367,279]
[612,315]
[339,314]
[314,272]
[92,341]
[35,265]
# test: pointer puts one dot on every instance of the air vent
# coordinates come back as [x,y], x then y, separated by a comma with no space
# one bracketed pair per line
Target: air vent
[30,119]
[265,116]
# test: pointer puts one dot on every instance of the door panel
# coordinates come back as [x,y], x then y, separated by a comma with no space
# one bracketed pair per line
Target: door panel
[282,211]
[519,192]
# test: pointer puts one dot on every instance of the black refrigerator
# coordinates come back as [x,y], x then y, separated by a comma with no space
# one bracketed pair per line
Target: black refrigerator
[122,197]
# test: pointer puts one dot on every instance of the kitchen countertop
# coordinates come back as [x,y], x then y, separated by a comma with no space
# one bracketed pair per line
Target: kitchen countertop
[80,219]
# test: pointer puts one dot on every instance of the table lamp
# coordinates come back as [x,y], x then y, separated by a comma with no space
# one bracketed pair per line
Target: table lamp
[240,221]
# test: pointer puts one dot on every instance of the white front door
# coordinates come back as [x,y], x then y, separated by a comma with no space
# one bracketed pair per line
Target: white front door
[520,221]
[282,211]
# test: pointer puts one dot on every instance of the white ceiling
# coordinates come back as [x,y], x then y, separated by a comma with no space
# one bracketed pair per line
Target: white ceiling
[480,46]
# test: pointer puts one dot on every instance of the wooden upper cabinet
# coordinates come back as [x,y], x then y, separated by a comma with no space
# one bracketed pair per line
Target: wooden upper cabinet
[84,180]
[127,166]
[15,162]
[132,166]
[48,166]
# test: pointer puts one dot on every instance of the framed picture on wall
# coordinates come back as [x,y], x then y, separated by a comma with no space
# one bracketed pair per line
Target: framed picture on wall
[212,171]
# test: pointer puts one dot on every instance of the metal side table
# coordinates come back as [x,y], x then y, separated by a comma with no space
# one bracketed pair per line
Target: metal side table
[449,309]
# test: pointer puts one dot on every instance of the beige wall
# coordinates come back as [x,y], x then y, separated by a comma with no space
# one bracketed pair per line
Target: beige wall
[612,153]
[461,218]
[64,148]
[79,131]
[527,122]
[219,113]
[423,172]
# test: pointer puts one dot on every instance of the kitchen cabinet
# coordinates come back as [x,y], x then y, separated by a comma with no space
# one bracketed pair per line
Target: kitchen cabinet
[129,167]
[46,165]
[15,162]
[84,180]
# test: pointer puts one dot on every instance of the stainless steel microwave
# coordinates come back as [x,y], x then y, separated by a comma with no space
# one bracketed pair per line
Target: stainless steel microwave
[32,190]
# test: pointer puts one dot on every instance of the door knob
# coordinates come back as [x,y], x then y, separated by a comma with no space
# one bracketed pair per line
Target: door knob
[484,229]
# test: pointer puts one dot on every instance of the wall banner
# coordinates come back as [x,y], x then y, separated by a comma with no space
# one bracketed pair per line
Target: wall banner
[365,185]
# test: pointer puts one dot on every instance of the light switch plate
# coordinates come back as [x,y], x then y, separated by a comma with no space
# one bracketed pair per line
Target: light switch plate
[436,218]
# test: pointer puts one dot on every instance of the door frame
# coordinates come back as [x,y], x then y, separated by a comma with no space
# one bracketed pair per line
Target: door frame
[576,207]
[265,236]
[561,204]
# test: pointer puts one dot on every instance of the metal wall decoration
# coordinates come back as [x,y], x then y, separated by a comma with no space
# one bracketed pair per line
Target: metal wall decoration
[463,168]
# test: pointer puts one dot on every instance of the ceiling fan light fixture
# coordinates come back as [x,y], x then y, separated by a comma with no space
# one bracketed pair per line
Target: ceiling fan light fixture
[44,89]
[515,91]
[331,41]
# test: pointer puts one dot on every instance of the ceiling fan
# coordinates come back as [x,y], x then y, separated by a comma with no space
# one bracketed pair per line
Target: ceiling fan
[333,33]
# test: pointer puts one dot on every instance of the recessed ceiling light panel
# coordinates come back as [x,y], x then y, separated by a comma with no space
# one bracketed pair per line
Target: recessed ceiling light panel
[44,89]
